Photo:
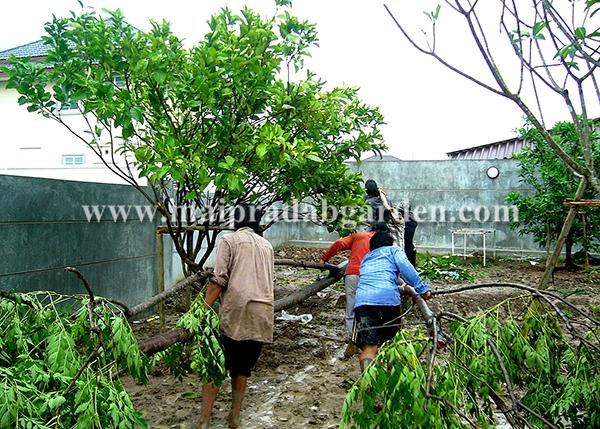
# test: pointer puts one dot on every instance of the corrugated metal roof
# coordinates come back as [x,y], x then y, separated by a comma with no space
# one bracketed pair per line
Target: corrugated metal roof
[498,150]
[33,49]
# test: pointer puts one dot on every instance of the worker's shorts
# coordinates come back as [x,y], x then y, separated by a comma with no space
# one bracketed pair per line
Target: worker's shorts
[375,324]
[240,356]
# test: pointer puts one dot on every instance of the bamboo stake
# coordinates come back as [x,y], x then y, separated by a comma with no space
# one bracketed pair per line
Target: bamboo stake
[160,265]
[562,236]
[586,243]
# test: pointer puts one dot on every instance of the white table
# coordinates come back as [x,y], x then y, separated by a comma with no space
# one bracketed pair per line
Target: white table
[474,231]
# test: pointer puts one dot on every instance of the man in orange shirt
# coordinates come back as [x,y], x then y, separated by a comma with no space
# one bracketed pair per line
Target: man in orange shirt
[358,244]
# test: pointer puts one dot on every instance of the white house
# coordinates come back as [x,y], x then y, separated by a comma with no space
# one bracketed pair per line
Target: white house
[32,145]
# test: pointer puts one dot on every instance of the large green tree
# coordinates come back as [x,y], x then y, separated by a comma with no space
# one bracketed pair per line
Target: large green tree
[542,213]
[234,119]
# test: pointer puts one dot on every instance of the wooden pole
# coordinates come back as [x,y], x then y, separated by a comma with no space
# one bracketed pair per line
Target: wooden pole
[562,236]
[160,265]
[548,238]
[586,244]
[581,203]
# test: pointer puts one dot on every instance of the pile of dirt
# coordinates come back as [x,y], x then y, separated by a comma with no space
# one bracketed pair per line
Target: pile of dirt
[302,378]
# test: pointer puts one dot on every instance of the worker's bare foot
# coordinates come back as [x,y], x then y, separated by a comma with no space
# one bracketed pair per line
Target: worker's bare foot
[203,424]
[234,421]
[351,350]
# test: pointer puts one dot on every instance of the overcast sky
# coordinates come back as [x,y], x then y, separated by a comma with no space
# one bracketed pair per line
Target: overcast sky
[429,110]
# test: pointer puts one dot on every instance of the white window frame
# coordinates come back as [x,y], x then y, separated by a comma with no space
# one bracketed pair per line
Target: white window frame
[68,109]
[73,160]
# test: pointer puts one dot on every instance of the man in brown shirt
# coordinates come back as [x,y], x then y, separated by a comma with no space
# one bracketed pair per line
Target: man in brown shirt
[243,278]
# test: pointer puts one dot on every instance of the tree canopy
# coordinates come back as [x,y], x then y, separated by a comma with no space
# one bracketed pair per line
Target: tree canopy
[236,118]
[542,213]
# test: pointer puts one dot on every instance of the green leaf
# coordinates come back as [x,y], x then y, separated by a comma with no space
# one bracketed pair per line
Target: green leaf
[537,29]
[137,114]
[159,76]
[261,150]
[56,402]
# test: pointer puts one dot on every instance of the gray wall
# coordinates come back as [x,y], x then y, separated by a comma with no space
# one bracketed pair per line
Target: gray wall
[453,185]
[44,229]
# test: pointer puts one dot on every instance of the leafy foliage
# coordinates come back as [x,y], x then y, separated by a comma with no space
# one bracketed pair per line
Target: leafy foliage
[203,355]
[235,118]
[559,380]
[445,267]
[542,211]
[55,372]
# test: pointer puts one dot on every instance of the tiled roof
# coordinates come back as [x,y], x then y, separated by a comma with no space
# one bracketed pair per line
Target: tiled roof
[33,49]
[381,158]
[497,150]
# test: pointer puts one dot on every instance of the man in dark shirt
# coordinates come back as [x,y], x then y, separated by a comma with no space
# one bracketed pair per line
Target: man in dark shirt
[383,211]
[410,225]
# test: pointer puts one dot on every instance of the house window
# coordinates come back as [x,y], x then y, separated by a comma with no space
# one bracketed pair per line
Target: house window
[119,81]
[73,160]
[68,107]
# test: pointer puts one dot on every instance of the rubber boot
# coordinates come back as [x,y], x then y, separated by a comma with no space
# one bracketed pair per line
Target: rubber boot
[364,364]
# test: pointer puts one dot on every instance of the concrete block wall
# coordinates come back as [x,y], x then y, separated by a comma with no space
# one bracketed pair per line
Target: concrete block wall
[43,228]
[460,188]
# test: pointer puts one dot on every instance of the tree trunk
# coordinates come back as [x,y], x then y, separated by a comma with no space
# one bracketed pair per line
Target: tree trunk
[562,236]
[161,342]
[301,295]
[183,284]
[569,264]
[202,275]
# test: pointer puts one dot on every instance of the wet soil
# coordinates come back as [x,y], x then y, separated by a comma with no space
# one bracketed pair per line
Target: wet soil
[301,379]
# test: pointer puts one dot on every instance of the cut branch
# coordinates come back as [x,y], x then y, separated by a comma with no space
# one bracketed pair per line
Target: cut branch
[305,264]
[86,284]
[179,286]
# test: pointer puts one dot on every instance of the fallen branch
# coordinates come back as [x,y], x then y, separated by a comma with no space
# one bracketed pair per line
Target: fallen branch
[513,411]
[305,264]
[505,409]
[455,409]
[203,275]
[86,284]
[530,289]
[90,306]
[93,327]
[182,284]
[17,299]
[161,342]
[541,294]
[537,415]
[301,295]
[89,359]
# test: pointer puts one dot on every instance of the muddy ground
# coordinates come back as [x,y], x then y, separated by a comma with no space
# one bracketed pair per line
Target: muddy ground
[302,378]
